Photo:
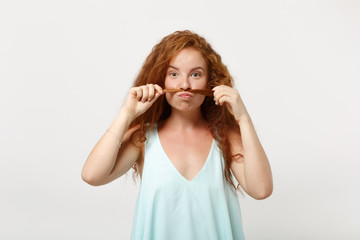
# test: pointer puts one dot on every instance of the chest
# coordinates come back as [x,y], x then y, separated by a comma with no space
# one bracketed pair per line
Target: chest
[188,154]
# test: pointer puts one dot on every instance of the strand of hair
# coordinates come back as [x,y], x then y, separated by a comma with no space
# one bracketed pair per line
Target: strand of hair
[206,92]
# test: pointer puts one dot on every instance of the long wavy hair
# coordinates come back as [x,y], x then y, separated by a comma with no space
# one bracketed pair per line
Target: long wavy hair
[153,71]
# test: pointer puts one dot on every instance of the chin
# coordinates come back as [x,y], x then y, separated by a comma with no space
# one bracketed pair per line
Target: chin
[186,107]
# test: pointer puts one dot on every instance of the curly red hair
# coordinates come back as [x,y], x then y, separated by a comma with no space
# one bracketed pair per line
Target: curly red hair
[153,71]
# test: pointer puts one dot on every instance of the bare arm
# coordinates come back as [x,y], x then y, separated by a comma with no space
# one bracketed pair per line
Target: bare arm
[99,166]
[106,161]
[253,171]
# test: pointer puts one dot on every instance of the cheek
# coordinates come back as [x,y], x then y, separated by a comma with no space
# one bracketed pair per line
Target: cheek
[167,96]
[167,84]
[202,84]
[202,99]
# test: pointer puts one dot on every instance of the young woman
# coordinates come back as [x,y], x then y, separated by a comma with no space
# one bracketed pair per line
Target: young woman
[182,128]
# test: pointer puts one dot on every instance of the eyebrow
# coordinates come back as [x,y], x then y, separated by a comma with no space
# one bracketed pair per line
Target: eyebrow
[170,66]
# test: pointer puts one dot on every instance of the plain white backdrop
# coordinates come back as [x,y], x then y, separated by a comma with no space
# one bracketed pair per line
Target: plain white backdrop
[66,67]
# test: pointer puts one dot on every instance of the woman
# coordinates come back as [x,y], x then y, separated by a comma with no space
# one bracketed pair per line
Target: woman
[183,144]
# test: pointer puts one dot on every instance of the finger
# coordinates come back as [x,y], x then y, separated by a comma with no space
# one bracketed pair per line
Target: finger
[230,92]
[223,99]
[222,89]
[156,96]
[145,93]
[218,91]
[158,89]
[151,92]
[133,91]
[217,95]
[138,93]
[220,96]
[219,87]
[215,88]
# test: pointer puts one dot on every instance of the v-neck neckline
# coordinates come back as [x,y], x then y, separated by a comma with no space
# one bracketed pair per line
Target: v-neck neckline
[173,166]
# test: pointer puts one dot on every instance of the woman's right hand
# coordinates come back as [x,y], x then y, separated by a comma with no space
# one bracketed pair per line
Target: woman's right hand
[140,99]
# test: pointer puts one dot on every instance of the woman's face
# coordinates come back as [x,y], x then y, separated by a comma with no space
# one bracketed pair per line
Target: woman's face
[187,70]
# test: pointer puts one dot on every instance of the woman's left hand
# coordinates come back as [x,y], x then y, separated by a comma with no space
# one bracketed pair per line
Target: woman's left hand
[231,97]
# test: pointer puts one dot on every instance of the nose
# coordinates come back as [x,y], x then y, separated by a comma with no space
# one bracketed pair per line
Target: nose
[185,84]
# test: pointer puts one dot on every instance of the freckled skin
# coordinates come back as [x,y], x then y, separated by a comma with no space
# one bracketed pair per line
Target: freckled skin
[187,71]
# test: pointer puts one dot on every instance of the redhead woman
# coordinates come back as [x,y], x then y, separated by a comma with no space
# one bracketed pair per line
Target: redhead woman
[185,130]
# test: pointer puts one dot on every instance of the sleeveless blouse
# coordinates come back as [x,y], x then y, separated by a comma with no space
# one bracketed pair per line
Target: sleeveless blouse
[170,207]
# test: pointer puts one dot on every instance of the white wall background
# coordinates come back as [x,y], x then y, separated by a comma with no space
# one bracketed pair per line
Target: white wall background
[66,66]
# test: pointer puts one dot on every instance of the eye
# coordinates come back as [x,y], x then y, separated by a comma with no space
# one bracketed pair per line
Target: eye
[173,74]
[196,74]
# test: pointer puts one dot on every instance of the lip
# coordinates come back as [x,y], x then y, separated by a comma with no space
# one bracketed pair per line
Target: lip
[185,95]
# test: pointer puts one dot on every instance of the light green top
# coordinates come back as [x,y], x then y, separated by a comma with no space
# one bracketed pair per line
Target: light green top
[170,207]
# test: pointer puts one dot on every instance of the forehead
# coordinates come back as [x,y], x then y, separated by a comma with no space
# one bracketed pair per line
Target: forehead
[188,57]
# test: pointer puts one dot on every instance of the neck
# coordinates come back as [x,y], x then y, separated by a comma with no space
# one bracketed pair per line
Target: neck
[185,120]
